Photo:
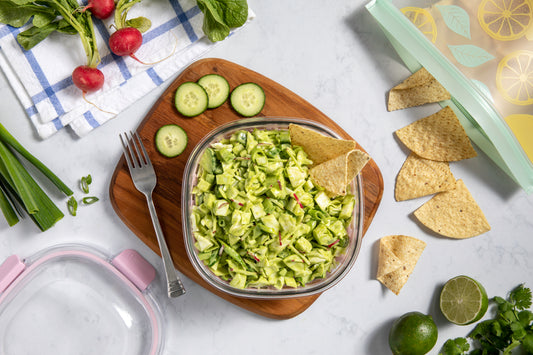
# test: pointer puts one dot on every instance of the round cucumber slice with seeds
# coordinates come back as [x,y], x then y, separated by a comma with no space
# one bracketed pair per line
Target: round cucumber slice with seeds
[191,99]
[248,99]
[217,88]
[170,140]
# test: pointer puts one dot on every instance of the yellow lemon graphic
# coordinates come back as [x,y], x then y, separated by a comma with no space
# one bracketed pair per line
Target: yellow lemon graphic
[423,20]
[506,20]
[522,127]
[514,77]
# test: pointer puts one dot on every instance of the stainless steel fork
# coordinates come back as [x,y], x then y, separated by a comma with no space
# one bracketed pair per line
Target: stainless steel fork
[144,178]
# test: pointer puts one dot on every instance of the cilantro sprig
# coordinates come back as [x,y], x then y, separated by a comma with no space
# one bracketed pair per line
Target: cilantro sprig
[511,328]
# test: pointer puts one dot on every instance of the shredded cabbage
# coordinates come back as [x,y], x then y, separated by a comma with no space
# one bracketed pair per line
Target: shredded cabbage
[259,220]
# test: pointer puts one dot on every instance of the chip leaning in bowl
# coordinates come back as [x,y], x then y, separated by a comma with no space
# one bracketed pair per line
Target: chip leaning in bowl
[260,220]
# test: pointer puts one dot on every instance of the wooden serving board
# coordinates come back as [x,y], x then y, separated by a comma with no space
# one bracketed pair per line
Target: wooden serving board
[130,205]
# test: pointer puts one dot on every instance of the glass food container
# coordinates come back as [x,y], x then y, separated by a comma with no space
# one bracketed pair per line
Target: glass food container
[344,262]
[73,299]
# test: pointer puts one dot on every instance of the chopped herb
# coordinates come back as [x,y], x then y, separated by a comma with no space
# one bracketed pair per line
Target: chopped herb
[90,200]
[85,182]
[72,205]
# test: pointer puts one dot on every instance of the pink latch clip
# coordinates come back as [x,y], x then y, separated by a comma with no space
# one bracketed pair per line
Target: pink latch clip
[10,269]
[132,265]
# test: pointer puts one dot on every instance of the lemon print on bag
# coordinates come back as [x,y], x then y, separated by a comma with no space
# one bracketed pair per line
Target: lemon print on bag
[522,127]
[506,20]
[423,20]
[514,77]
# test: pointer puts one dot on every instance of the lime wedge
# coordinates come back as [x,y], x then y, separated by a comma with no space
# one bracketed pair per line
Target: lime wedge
[463,300]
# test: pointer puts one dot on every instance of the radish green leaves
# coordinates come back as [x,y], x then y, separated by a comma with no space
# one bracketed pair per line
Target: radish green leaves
[221,16]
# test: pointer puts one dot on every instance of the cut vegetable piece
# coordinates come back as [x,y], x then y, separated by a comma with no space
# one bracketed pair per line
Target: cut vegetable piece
[171,140]
[421,177]
[217,88]
[248,99]
[191,99]
[453,214]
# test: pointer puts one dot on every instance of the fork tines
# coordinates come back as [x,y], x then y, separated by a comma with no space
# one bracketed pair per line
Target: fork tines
[134,151]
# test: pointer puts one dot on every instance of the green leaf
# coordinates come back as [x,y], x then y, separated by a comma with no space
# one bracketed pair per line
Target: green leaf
[456,18]
[521,297]
[18,13]
[221,15]
[457,346]
[42,19]
[141,23]
[527,343]
[35,35]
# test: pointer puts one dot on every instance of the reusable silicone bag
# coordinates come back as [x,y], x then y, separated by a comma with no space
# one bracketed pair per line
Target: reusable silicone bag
[481,51]
[76,300]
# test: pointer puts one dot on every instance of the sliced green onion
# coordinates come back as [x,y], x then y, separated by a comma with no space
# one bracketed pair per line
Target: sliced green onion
[90,200]
[8,139]
[72,206]
[85,182]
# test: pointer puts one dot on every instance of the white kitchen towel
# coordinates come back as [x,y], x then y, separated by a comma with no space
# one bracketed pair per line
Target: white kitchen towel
[41,77]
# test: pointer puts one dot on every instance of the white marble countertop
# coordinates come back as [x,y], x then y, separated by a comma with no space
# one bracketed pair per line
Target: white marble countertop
[334,55]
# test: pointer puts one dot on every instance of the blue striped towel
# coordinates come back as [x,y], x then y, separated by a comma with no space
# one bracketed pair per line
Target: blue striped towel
[41,77]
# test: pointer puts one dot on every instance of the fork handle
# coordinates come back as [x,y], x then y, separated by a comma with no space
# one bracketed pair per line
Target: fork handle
[174,286]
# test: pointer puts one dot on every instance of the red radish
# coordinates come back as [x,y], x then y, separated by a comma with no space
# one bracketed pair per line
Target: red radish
[101,9]
[88,79]
[126,41]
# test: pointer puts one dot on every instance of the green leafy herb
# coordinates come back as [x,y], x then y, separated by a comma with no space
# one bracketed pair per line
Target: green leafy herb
[222,15]
[49,16]
[511,328]
[72,206]
[90,200]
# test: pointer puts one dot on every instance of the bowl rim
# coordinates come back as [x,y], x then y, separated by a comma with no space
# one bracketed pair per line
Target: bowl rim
[262,293]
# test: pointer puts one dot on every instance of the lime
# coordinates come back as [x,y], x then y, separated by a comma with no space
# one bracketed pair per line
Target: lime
[463,300]
[414,333]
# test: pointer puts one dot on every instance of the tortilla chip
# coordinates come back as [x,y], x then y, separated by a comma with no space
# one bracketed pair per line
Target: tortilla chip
[357,160]
[335,174]
[453,214]
[418,89]
[421,177]
[319,147]
[438,137]
[398,255]
[332,175]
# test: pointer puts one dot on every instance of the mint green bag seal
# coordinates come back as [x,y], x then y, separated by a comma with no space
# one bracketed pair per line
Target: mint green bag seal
[457,46]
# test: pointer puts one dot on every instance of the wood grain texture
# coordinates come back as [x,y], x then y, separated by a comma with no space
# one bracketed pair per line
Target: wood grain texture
[130,205]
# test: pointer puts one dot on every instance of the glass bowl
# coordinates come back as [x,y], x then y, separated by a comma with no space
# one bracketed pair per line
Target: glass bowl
[355,230]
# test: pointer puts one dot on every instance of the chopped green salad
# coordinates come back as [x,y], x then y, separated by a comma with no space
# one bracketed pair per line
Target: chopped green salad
[259,220]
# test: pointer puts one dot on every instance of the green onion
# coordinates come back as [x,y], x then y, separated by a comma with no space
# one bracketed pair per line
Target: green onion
[89,200]
[7,208]
[9,140]
[85,182]
[19,191]
[72,206]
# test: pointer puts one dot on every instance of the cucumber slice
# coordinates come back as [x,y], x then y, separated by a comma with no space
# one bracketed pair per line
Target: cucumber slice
[191,99]
[170,140]
[248,99]
[217,88]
